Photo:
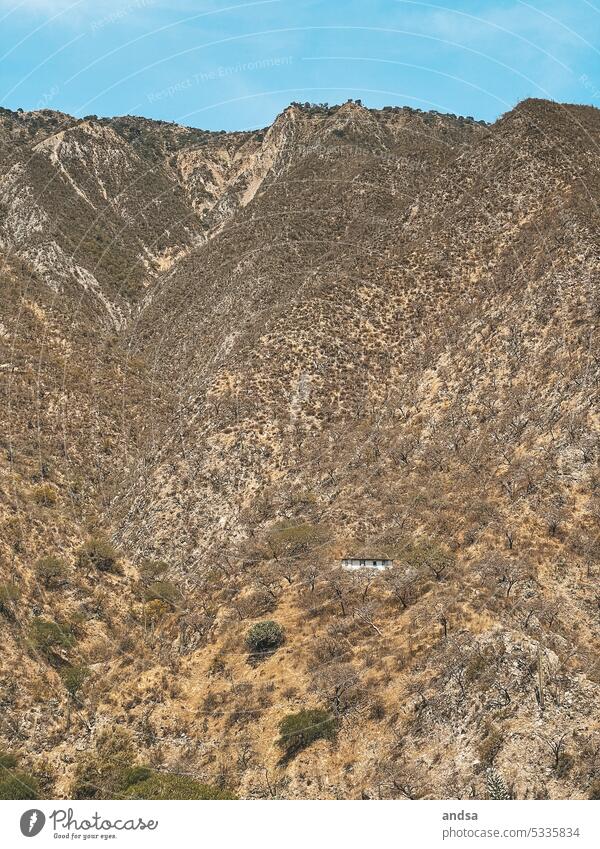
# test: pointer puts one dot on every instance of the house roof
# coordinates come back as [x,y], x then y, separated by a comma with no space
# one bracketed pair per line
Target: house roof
[366,557]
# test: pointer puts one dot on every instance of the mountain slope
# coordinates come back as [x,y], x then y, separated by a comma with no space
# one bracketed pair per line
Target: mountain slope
[357,330]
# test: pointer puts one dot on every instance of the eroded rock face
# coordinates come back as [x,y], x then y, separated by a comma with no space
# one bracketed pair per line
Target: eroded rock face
[242,355]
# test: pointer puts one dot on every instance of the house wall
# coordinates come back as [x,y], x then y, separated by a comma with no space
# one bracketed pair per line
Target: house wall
[365,563]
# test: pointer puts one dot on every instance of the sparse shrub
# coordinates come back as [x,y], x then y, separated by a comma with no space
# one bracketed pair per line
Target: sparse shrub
[9,596]
[12,533]
[265,637]
[151,570]
[217,667]
[48,637]
[76,488]
[136,774]
[15,784]
[169,786]
[595,790]
[377,711]
[45,495]
[156,610]
[51,572]
[104,774]
[258,602]
[286,540]
[18,785]
[7,761]
[490,745]
[163,591]
[299,730]
[98,553]
[74,678]
[565,764]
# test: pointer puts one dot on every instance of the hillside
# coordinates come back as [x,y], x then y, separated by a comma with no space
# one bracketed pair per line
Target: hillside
[230,359]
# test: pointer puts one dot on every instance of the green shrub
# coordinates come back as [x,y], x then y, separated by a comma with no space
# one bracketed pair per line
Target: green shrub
[7,761]
[108,780]
[264,637]
[15,784]
[98,553]
[48,637]
[151,570]
[18,785]
[286,540]
[51,572]
[73,678]
[299,730]
[163,591]
[135,775]
[164,785]
[9,595]
[104,774]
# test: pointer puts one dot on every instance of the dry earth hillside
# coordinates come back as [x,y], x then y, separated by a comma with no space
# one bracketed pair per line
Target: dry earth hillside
[227,360]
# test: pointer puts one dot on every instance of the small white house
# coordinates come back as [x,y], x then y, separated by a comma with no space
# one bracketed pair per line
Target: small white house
[366,563]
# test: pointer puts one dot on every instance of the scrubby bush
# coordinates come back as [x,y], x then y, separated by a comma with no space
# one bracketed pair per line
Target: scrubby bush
[45,495]
[595,790]
[18,785]
[152,570]
[7,761]
[48,637]
[135,775]
[108,773]
[254,603]
[164,785]
[490,745]
[9,596]
[163,591]
[73,678]
[264,637]
[156,610]
[98,553]
[105,773]
[15,784]
[285,540]
[51,572]
[299,730]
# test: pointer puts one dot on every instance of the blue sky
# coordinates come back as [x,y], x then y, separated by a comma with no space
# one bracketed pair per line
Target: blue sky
[224,64]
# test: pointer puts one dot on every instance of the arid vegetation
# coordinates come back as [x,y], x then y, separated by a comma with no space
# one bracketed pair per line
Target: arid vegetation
[229,360]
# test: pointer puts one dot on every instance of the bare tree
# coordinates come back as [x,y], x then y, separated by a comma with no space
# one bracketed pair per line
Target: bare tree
[396,780]
[403,588]
[339,587]
[507,570]
[365,613]
[336,684]
[556,745]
